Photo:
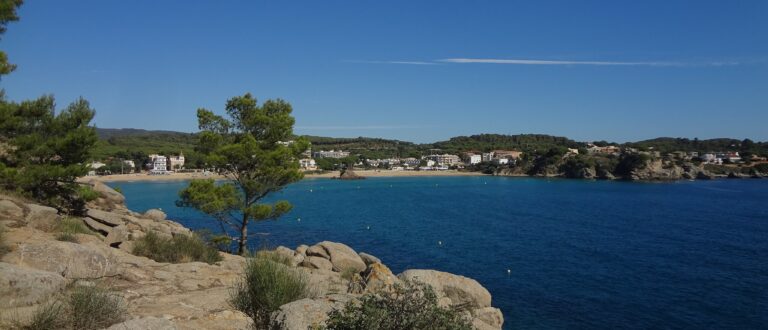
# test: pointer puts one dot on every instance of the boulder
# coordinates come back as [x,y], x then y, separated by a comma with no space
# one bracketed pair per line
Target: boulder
[462,291]
[108,193]
[490,317]
[97,226]
[107,218]
[306,313]
[24,287]
[317,263]
[703,176]
[302,249]
[10,211]
[378,277]
[155,214]
[42,217]
[145,323]
[368,259]
[117,235]
[318,251]
[343,257]
[70,260]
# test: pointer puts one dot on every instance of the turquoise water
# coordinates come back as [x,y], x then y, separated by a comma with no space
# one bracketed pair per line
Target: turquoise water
[581,254]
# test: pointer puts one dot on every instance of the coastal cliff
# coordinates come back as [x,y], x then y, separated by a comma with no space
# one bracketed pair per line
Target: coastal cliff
[37,266]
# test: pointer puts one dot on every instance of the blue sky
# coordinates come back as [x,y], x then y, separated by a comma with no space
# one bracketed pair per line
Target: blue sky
[413,70]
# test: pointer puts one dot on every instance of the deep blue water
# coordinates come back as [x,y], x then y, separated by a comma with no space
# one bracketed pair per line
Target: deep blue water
[582,254]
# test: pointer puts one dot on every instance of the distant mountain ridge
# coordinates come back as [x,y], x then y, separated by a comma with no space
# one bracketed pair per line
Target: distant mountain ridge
[131,138]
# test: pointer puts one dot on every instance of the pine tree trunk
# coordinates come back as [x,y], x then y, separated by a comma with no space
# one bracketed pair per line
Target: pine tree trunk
[243,244]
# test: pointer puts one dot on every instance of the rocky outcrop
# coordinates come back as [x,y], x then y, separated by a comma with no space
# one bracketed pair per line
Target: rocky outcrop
[460,290]
[349,174]
[191,295]
[24,287]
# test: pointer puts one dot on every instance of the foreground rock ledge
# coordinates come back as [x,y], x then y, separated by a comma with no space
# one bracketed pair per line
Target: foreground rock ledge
[189,295]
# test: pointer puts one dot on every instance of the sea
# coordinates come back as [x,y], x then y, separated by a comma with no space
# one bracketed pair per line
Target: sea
[554,253]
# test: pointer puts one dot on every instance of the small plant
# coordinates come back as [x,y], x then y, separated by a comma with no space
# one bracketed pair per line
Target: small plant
[91,307]
[84,307]
[411,305]
[47,316]
[266,285]
[66,237]
[71,225]
[118,189]
[4,249]
[178,249]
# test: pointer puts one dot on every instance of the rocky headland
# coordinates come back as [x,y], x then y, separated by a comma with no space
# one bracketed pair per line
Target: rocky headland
[36,267]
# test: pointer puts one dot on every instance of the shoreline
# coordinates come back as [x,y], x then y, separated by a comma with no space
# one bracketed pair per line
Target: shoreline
[189,176]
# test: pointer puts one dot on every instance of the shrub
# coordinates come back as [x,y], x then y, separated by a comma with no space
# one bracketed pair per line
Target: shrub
[47,316]
[4,249]
[66,237]
[409,306]
[85,307]
[265,286]
[91,307]
[178,249]
[72,225]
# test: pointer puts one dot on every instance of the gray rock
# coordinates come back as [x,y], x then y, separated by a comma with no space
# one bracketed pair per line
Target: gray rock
[378,277]
[108,193]
[24,287]
[155,214]
[42,217]
[302,249]
[317,263]
[490,317]
[368,259]
[97,226]
[306,313]
[318,251]
[145,323]
[10,211]
[70,260]
[107,218]
[343,257]
[462,291]
[116,236]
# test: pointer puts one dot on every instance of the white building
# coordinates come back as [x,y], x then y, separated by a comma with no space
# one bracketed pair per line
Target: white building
[474,159]
[487,156]
[177,162]
[93,166]
[501,161]
[445,159]
[308,164]
[331,154]
[159,164]
[129,163]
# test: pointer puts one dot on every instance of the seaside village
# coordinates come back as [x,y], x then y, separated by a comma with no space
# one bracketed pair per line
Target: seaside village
[157,164]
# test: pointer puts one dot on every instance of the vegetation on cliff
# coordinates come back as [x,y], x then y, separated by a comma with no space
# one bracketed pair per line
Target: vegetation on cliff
[410,305]
[176,249]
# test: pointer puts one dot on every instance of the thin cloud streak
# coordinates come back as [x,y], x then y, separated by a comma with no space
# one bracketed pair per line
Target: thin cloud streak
[362,127]
[395,62]
[598,63]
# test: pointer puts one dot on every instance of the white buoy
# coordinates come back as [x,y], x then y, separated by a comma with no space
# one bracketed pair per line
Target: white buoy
[369,227]
[298,219]
[439,242]
[310,190]
[509,271]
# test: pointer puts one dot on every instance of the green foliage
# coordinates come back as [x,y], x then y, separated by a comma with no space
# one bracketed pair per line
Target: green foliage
[631,162]
[545,163]
[265,286]
[4,249]
[84,307]
[47,316]
[7,15]
[408,306]
[91,307]
[178,249]
[250,147]
[665,145]
[574,166]
[42,154]
[762,168]
[137,145]
[527,143]
[68,227]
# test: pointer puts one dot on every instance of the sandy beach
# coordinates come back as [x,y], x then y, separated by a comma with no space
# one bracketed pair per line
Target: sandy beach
[189,176]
